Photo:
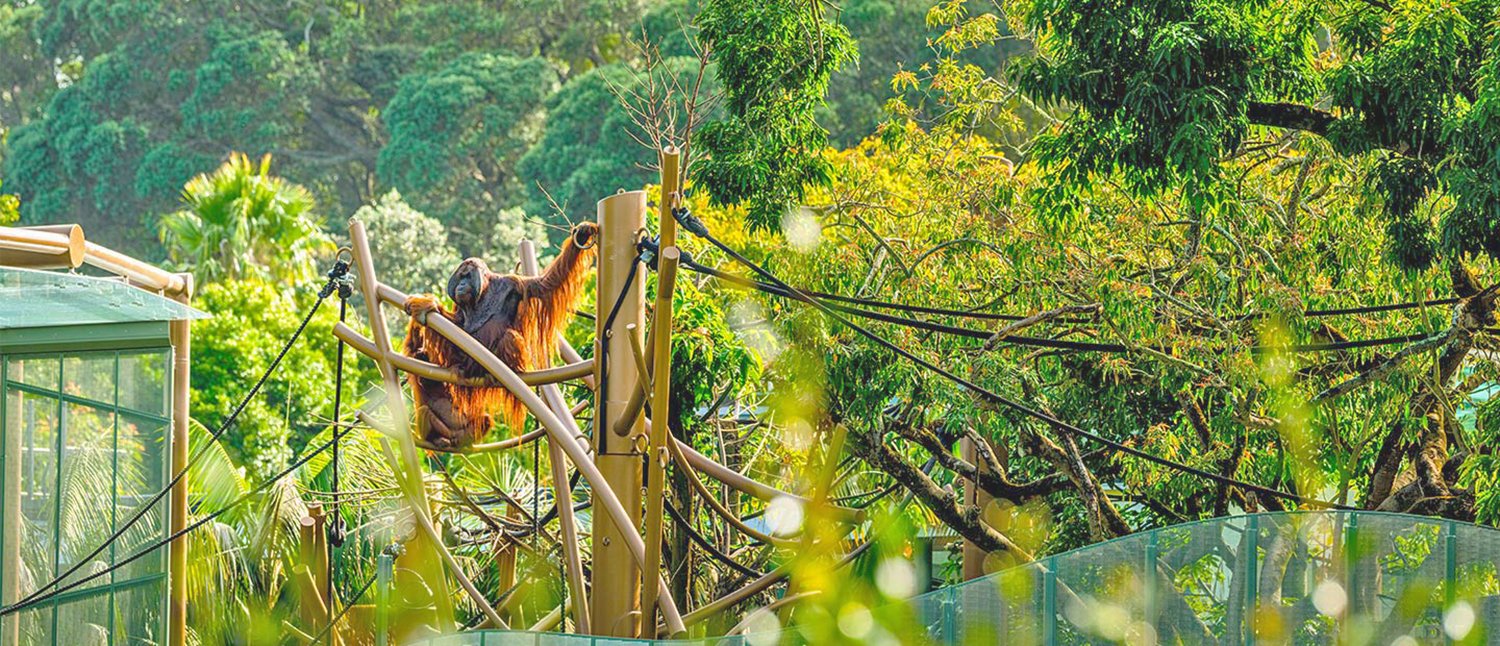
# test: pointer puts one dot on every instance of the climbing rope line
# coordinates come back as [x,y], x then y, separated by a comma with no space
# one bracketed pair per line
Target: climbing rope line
[327,630]
[696,227]
[339,432]
[993,316]
[340,269]
[336,528]
[1017,339]
[601,417]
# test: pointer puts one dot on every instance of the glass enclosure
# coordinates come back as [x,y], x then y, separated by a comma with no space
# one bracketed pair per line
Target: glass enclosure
[1283,578]
[85,436]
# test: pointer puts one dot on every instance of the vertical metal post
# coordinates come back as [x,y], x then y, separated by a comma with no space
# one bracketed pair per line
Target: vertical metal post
[1151,578]
[1049,603]
[1450,571]
[661,358]
[1252,592]
[385,567]
[614,597]
[1357,602]
[949,636]
[181,333]
[10,506]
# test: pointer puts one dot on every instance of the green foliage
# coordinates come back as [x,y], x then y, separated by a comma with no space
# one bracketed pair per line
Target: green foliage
[10,209]
[774,60]
[709,360]
[1161,88]
[252,320]
[1166,91]
[240,221]
[410,249]
[457,133]
[590,147]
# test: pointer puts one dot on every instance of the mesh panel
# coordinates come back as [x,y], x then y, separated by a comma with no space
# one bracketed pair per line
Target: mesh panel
[1296,577]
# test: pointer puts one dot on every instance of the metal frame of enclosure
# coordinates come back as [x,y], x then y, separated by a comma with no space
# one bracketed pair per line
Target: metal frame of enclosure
[1338,577]
[93,422]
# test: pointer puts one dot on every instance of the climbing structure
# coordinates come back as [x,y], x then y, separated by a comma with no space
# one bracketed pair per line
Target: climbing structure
[627,594]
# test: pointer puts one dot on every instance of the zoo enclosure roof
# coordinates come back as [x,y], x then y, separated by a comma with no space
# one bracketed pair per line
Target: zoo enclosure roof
[34,299]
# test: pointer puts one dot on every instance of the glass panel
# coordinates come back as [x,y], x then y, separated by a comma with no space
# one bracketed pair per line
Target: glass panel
[71,299]
[141,473]
[90,376]
[36,625]
[140,612]
[87,479]
[38,475]
[84,621]
[143,381]
[39,371]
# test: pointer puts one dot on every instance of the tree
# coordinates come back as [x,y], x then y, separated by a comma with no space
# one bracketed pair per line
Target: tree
[410,249]
[456,135]
[240,221]
[592,143]
[10,209]
[1166,90]
[103,126]
[774,60]
[253,319]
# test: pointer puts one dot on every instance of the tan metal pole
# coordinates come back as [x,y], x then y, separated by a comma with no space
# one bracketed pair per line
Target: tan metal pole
[572,560]
[181,334]
[44,253]
[614,600]
[408,470]
[10,527]
[661,378]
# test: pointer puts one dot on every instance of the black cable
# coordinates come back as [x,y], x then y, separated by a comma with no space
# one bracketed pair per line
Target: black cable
[996,397]
[328,628]
[262,487]
[702,542]
[1017,339]
[988,316]
[339,269]
[601,418]
[336,528]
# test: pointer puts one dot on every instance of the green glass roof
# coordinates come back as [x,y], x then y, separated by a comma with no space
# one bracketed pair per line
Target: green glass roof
[32,299]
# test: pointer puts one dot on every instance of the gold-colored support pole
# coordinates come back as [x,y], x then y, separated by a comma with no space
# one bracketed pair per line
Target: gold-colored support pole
[181,336]
[614,599]
[661,336]
[408,470]
[10,526]
[572,560]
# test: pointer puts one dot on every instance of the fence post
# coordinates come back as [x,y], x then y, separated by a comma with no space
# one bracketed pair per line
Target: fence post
[948,632]
[1450,572]
[1357,603]
[1049,603]
[1252,592]
[383,572]
[1151,579]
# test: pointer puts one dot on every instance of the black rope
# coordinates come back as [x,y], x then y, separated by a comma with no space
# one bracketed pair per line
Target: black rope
[1023,340]
[339,269]
[719,555]
[1029,411]
[261,488]
[336,528]
[991,316]
[328,628]
[601,418]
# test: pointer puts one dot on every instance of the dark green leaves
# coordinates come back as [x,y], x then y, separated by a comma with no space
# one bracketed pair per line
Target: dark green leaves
[774,59]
